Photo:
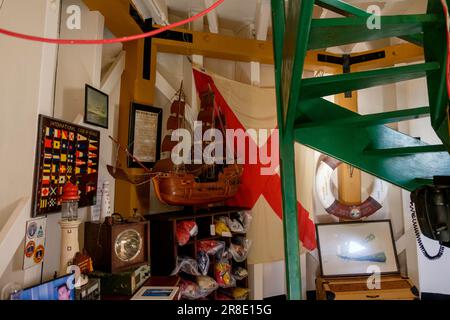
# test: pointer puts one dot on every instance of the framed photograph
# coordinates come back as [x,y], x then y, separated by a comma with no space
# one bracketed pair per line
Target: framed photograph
[356,248]
[144,135]
[65,152]
[96,107]
[156,293]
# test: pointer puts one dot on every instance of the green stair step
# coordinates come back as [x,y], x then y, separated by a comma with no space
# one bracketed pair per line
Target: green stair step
[329,85]
[332,32]
[435,48]
[406,150]
[350,144]
[348,10]
[342,8]
[358,120]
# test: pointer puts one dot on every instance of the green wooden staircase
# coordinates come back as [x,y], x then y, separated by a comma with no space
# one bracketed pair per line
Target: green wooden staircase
[361,141]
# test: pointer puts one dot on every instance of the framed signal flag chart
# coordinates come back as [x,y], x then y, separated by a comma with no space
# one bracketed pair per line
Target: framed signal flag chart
[65,152]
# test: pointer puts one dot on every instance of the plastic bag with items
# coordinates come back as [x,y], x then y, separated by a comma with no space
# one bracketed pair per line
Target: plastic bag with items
[203,262]
[223,275]
[203,288]
[239,248]
[186,230]
[189,289]
[233,224]
[245,218]
[240,273]
[211,247]
[222,228]
[240,293]
[207,285]
[186,265]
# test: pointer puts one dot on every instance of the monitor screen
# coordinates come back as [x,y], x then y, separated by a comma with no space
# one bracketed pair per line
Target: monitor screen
[57,289]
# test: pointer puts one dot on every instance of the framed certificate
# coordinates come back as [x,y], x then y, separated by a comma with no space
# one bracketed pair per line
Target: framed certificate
[144,135]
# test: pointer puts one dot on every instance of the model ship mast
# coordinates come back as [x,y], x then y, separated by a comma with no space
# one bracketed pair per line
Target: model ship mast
[187,184]
[176,121]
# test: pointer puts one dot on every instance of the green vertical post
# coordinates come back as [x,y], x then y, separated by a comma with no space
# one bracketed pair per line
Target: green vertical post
[287,157]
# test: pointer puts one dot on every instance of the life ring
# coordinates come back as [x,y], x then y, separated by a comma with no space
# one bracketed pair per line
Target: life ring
[323,189]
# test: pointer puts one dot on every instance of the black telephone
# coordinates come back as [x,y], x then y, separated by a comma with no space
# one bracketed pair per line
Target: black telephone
[432,211]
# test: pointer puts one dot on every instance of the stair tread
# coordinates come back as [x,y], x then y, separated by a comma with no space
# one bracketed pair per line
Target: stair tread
[340,31]
[329,85]
[358,120]
[349,10]
[348,144]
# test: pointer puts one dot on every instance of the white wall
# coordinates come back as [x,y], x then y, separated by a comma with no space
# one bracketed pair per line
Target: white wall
[433,276]
[77,66]
[26,89]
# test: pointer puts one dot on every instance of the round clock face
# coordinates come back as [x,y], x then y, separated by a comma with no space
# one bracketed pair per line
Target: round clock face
[128,245]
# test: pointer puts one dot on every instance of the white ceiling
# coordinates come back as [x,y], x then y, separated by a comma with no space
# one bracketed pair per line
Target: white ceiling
[237,14]
[245,10]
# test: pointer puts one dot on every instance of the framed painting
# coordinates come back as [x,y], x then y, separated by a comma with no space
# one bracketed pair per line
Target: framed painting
[96,110]
[144,137]
[356,248]
[65,152]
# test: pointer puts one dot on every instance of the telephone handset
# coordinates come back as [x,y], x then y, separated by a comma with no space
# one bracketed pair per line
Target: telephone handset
[430,207]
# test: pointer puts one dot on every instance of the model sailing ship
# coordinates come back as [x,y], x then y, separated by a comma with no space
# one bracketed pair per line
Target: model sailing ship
[186,184]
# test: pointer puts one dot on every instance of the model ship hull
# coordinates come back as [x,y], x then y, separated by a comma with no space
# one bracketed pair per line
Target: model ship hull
[181,189]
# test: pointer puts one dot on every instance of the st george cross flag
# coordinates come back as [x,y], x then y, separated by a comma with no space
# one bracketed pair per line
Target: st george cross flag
[248,107]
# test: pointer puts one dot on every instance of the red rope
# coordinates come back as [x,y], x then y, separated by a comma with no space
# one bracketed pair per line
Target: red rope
[116,40]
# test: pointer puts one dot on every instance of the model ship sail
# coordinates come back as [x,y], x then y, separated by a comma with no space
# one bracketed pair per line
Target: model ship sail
[187,184]
[176,121]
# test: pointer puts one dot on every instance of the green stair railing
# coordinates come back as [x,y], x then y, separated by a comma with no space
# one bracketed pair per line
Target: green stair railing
[364,142]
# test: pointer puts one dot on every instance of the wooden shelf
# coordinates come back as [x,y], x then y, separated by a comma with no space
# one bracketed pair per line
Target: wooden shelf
[165,248]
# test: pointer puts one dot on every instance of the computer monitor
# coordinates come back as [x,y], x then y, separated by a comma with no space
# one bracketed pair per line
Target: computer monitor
[57,289]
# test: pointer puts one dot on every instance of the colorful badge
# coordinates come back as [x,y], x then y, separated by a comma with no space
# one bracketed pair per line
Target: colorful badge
[29,249]
[39,254]
[31,231]
[40,232]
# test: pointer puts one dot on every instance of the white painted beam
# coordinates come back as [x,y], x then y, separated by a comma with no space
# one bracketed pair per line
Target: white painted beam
[114,75]
[262,19]
[98,49]
[255,73]
[198,24]
[142,9]
[213,19]
[159,11]
[165,87]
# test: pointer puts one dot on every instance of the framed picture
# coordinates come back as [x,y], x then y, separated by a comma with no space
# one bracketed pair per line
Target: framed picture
[96,107]
[144,135]
[156,293]
[65,152]
[356,248]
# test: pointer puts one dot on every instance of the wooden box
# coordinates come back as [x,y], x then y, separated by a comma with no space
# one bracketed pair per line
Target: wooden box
[100,241]
[393,287]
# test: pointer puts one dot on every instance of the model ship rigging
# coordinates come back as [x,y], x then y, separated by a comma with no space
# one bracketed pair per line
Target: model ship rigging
[187,184]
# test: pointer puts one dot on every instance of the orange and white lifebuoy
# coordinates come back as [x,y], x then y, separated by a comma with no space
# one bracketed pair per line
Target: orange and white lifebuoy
[324,192]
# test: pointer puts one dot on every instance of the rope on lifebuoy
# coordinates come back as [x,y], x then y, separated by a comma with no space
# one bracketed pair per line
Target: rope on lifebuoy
[324,192]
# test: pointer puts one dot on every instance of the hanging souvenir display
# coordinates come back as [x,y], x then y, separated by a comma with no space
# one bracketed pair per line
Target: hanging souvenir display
[34,242]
